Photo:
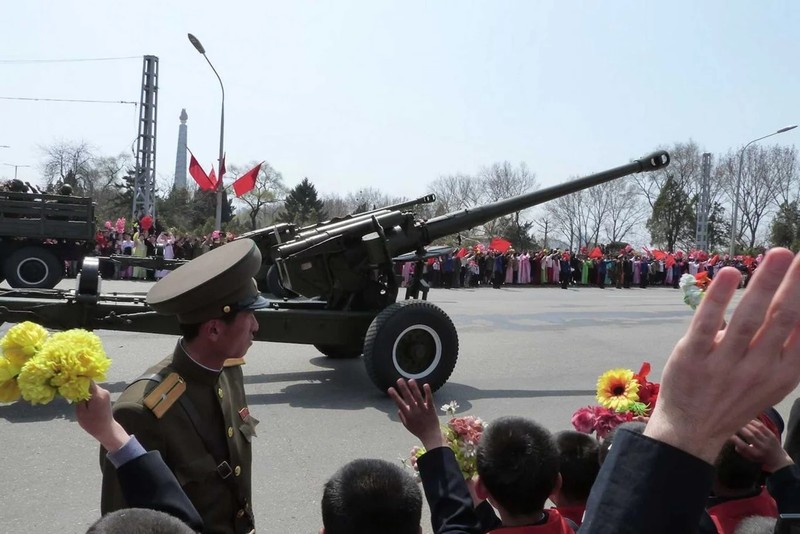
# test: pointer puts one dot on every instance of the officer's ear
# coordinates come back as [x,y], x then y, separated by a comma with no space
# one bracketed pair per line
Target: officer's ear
[212,329]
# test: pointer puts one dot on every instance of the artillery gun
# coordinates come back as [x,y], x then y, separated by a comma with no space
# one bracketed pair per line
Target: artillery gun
[267,238]
[344,271]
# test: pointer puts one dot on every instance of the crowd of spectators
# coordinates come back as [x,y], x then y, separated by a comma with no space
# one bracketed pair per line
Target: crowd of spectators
[621,269]
[167,243]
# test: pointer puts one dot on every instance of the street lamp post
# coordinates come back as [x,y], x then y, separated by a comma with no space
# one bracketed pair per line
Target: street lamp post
[15,168]
[199,47]
[739,185]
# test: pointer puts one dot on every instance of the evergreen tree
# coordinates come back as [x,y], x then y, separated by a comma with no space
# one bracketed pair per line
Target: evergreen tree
[784,229]
[302,205]
[673,219]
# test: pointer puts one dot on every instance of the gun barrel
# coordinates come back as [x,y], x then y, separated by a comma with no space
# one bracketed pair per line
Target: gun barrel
[461,220]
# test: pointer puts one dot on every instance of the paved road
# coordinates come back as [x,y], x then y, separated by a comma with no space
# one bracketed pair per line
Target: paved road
[535,352]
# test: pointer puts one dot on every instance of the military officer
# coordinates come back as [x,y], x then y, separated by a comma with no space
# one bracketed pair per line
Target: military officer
[191,406]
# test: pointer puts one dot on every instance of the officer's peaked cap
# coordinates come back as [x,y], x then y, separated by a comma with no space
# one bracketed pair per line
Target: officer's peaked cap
[210,286]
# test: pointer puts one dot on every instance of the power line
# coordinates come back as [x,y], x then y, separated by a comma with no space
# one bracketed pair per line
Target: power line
[82,101]
[32,61]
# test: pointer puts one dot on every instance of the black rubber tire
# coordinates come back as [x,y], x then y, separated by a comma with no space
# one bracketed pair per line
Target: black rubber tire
[33,267]
[340,352]
[411,339]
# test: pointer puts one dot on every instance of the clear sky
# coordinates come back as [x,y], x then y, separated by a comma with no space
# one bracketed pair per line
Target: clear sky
[393,94]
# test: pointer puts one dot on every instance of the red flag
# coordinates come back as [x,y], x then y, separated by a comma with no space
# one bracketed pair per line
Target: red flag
[499,244]
[670,261]
[714,260]
[222,167]
[247,181]
[212,178]
[596,253]
[199,175]
[659,254]
[461,253]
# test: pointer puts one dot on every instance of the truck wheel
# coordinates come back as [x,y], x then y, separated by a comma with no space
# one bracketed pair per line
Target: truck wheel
[411,339]
[33,267]
[340,352]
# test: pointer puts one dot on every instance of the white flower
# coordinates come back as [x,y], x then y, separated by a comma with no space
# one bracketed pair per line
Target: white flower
[687,281]
[450,408]
[692,295]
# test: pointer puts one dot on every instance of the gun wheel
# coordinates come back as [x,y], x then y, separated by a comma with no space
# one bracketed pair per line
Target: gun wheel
[411,339]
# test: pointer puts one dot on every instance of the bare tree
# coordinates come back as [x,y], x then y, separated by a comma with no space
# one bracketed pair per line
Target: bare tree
[568,217]
[369,198]
[454,192]
[68,163]
[756,193]
[501,181]
[269,189]
[336,205]
[625,211]
[783,161]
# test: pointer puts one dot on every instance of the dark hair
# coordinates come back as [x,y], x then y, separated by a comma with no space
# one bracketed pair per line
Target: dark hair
[190,331]
[139,521]
[578,464]
[735,472]
[367,496]
[517,461]
[605,445]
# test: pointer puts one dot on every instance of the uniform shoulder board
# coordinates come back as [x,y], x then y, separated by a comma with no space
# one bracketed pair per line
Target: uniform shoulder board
[164,395]
[233,362]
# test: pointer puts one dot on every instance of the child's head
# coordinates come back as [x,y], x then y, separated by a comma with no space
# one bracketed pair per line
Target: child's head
[368,496]
[579,467]
[517,462]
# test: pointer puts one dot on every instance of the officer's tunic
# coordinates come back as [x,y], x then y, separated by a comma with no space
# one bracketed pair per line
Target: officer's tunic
[220,409]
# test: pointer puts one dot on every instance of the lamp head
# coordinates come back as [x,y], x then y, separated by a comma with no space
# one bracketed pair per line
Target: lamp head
[787,128]
[196,43]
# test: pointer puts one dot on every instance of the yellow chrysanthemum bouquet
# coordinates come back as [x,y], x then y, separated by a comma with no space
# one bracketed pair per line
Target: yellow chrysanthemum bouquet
[38,366]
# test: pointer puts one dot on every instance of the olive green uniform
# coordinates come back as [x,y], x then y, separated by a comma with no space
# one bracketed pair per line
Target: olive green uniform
[203,436]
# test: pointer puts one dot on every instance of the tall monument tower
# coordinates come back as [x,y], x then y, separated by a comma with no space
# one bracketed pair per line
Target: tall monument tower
[180,157]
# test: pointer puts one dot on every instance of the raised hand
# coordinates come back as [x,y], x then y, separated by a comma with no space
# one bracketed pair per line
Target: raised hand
[417,412]
[715,381]
[94,416]
[759,444]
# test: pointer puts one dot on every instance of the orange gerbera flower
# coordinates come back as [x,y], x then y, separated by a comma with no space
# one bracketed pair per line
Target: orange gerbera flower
[617,389]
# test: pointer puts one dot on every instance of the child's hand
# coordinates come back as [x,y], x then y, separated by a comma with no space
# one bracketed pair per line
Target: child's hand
[757,443]
[418,413]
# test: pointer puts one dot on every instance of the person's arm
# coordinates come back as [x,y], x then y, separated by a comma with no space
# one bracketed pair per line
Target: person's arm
[445,489]
[144,479]
[701,403]
[759,444]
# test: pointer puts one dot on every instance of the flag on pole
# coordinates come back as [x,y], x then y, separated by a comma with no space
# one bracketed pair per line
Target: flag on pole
[247,181]
[199,175]
[212,178]
[222,167]
[596,253]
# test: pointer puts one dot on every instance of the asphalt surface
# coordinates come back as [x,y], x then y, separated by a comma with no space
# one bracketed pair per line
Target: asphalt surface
[534,352]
